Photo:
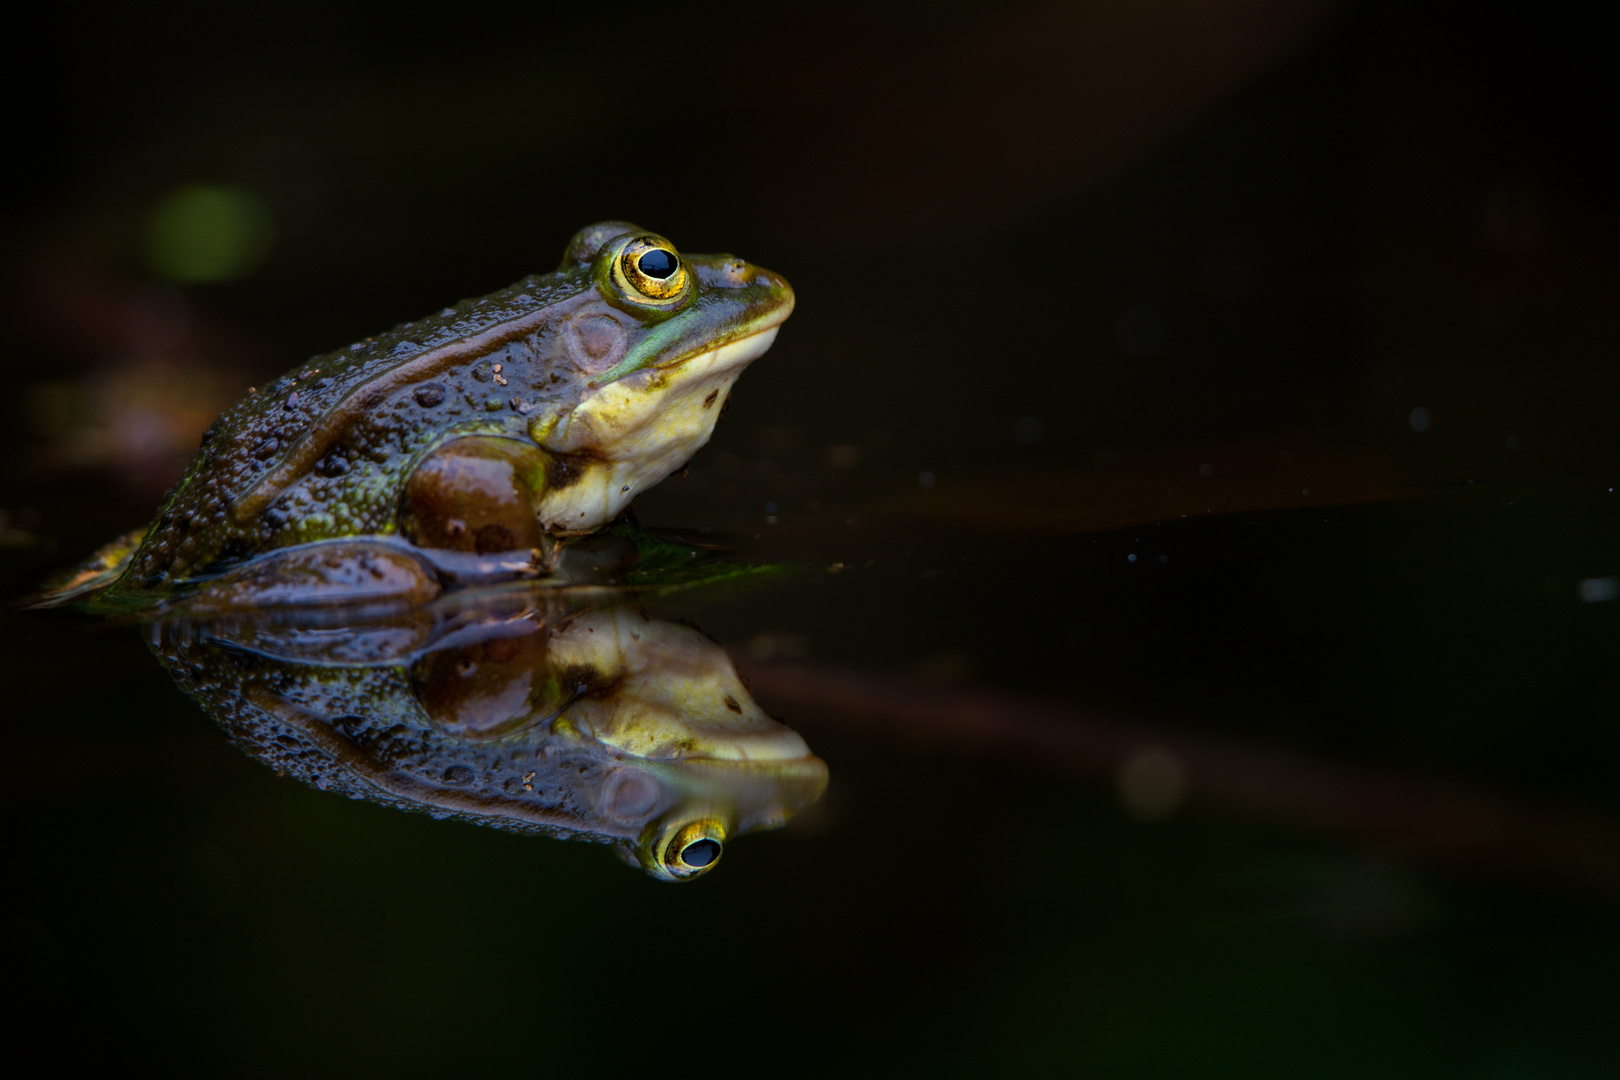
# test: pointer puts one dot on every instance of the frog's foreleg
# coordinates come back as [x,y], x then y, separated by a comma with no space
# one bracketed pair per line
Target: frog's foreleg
[548,556]
[477,498]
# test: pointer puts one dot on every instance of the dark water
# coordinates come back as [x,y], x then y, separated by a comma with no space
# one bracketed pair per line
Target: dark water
[1199,461]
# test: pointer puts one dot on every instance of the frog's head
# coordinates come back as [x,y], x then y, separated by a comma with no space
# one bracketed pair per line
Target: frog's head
[714,801]
[657,352]
[699,763]
[666,310]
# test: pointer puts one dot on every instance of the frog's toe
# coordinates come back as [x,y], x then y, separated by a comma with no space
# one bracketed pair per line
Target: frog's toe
[89,578]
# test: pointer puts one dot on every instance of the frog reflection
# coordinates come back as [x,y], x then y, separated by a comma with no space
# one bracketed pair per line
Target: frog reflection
[510,709]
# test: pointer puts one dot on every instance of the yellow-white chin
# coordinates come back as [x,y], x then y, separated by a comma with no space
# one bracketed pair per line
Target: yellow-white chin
[632,433]
[676,694]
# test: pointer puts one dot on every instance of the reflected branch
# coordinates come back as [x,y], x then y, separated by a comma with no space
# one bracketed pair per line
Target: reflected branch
[1420,817]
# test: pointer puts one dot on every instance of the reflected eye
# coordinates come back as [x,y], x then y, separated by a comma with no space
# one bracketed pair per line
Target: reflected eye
[700,853]
[651,269]
[694,848]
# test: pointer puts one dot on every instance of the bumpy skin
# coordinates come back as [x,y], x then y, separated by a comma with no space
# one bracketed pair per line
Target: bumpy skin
[597,388]
[510,711]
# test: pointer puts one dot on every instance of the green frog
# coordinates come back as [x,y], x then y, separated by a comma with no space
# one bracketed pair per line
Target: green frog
[466,446]
[509,706]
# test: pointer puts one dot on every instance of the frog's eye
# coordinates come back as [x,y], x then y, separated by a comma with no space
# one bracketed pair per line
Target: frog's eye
[699,853]
[650,268]
[693,849]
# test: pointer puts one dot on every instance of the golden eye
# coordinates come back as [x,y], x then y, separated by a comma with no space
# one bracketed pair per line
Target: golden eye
[650,268]
[694,849]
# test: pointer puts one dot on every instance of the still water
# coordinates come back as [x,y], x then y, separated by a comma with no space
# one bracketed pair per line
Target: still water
[1155,611]
[1140,799]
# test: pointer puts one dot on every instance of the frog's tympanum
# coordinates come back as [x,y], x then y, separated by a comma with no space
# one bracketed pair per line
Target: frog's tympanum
[463,447]
[502,707]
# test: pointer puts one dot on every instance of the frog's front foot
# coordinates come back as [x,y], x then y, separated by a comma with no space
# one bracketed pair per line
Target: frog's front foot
[549,554]
[479,568]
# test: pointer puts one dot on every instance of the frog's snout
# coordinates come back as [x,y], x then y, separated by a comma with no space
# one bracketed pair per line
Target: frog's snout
[772,282]
[730,272]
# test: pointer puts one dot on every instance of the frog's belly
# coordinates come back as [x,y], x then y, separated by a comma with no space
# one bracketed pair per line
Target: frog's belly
[631,434]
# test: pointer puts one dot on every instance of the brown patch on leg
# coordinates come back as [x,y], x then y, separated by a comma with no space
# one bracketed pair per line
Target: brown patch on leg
[473,494]
[563,471]
[488,689]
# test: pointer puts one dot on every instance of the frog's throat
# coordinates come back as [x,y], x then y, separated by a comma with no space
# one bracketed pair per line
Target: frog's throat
[674,694]
[630,434]
[323,435]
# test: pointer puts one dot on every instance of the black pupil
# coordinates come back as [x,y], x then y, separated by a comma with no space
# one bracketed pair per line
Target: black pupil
[657,264]
[700,853]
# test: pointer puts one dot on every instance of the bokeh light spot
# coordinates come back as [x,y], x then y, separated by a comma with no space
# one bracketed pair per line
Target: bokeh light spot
[1152,783]
[1597,590]
[208,233]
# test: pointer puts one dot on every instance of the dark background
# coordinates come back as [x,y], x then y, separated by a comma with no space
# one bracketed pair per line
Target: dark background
[1243,374]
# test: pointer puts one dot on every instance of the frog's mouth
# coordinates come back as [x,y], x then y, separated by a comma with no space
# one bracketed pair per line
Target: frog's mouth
[628,416]
[628,435]
[731,355]
[731,319]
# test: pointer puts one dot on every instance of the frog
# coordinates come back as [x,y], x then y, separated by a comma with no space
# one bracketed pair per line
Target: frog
[509,706]
[466,446]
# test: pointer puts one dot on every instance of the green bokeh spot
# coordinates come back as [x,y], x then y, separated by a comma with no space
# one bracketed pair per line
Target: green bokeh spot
[208,233]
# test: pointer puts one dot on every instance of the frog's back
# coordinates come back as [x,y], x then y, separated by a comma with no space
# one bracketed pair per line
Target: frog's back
[318,454]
